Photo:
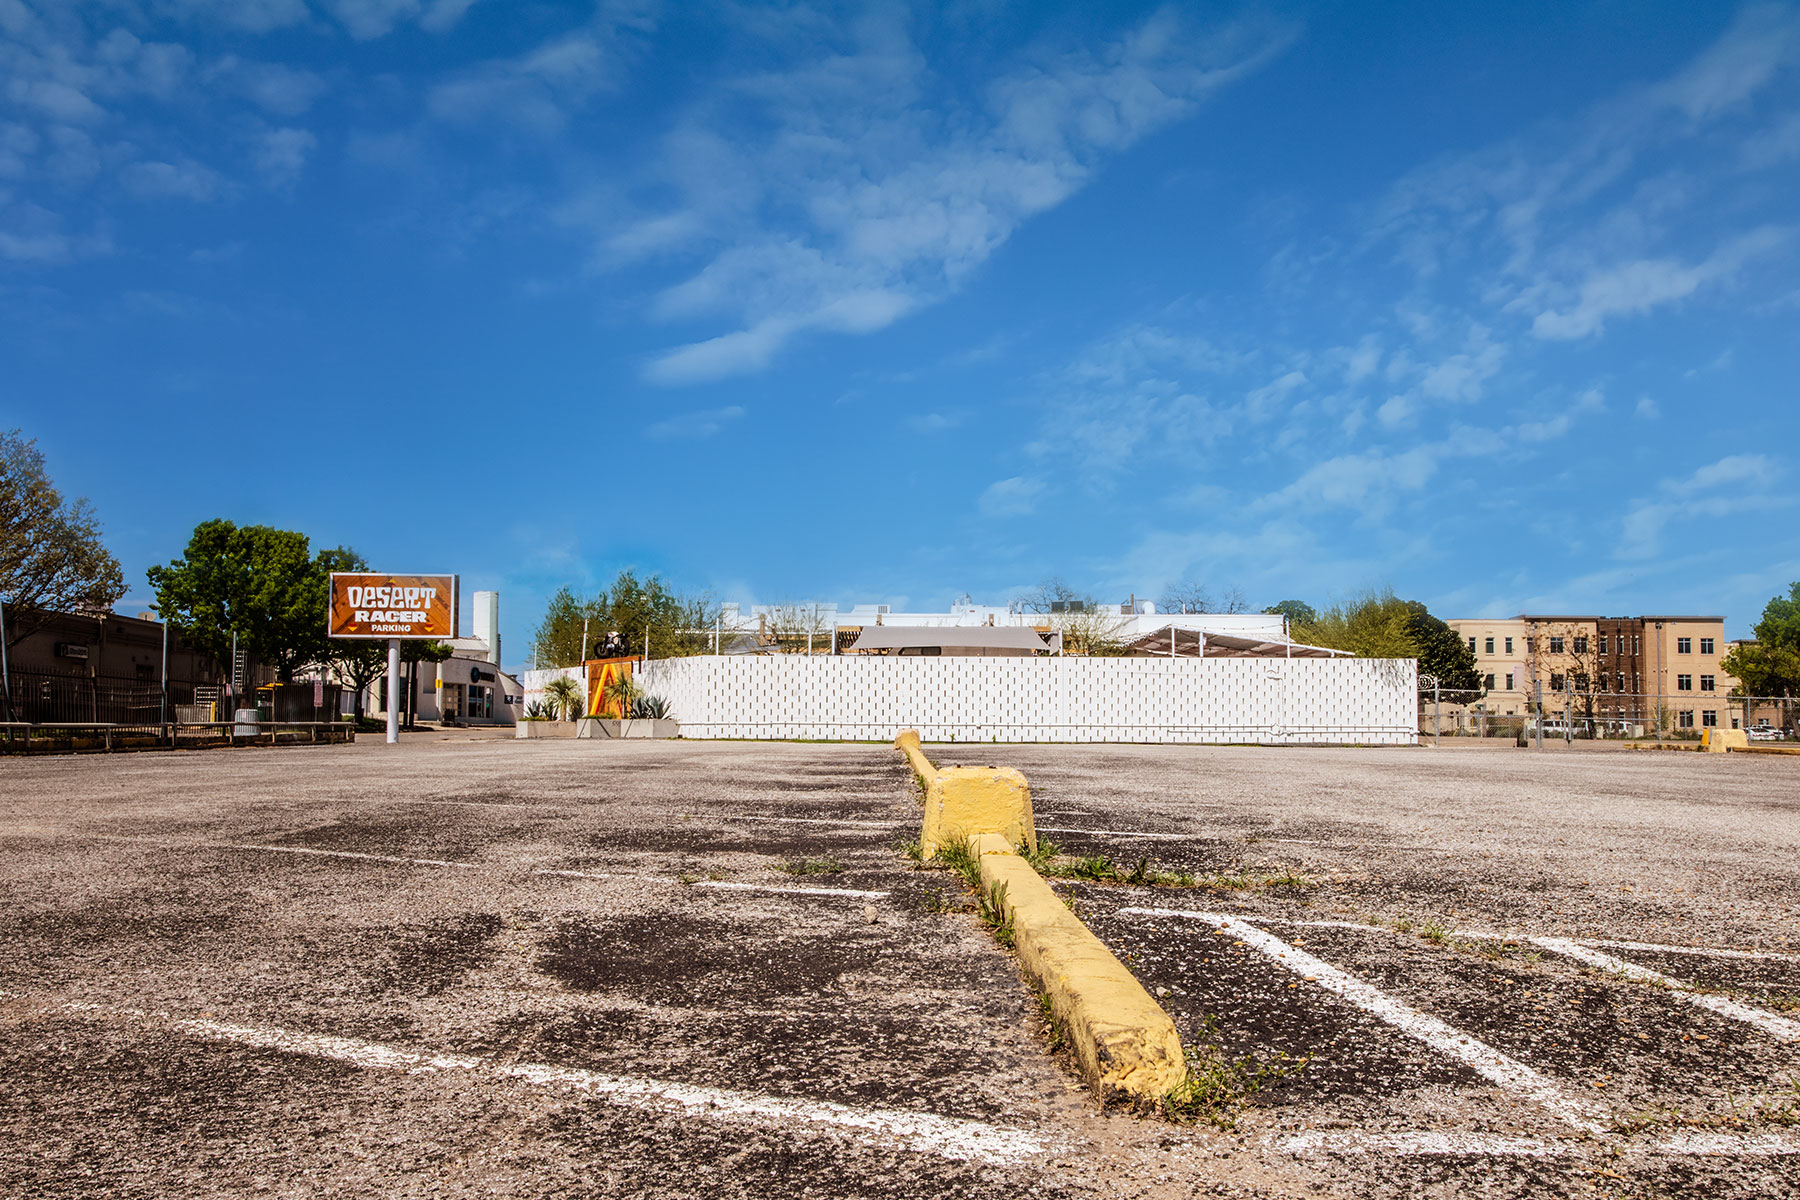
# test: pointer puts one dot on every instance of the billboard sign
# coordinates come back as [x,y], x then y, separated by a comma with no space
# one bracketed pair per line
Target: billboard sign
[366,605]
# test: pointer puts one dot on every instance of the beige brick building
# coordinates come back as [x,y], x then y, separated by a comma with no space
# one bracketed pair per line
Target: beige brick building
[1610,673]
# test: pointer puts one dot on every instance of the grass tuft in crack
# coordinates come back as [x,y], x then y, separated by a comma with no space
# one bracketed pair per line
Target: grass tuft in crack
[1218,1086]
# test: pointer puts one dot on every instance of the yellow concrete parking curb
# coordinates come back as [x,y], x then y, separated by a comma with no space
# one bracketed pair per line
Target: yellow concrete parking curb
[1126,1044]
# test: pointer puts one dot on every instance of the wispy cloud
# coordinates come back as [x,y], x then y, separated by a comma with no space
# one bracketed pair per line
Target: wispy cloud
[1012,497]
[704,423]
[896,201]
[1730,486]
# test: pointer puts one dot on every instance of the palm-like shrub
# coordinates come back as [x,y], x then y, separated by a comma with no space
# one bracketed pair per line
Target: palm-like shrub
[622,690]
[652,708]
[562,697]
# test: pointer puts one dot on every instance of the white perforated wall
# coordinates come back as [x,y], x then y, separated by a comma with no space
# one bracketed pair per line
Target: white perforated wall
[1278,701]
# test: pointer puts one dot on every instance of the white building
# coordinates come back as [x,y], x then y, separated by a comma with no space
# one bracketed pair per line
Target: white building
[469,687]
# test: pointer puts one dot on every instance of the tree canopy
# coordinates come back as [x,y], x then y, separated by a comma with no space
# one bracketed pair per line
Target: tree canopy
[678,625]
[1378,624]
[51,556]
[262,583]
[1298,612]
[1770,666]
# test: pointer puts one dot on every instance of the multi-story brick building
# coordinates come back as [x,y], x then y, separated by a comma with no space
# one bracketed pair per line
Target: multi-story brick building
[1612,672]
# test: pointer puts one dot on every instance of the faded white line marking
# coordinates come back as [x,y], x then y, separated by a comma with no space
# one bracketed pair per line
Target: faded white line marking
[804,820]
[1491,1064]
[1426,1142]
[789,891]
[1481,935]
[1435,1142]
[1768,1022]
[1657,948]
[1131,833]
[483,866]
[388,858]
[924,1133]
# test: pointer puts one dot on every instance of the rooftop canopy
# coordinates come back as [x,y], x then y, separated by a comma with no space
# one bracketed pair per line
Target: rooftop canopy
[987,640]
[1174,641]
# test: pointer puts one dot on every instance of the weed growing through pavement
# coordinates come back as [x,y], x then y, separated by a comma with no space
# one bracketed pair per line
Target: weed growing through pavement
[1217,1086]
[826,865]
[912,850]
[1054,1030]
[991,906]
[1100,868]
[688,877]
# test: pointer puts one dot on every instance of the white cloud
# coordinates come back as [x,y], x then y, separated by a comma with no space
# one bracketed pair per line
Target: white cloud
[185,180]
[1637,287]
[1012,497]
[280,154]
[1647,408]
[702,424]
[897,200]
[1723,489]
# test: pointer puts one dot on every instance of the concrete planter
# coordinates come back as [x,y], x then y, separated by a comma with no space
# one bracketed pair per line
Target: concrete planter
[608,727]
[547,729]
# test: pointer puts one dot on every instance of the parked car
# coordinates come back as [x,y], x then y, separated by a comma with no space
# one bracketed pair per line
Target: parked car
[1764,733]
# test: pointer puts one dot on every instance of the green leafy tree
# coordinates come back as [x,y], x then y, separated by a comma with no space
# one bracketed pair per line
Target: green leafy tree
[563,697]
[1770,666]
[262,583]
[1444,655]
[51,556]
[678,625]
[1298,612]
[1376,624]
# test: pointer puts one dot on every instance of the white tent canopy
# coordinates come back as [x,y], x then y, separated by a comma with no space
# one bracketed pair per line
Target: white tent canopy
[966,640]
[1172,641]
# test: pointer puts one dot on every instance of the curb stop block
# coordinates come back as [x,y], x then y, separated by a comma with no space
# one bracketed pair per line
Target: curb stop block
[963,801]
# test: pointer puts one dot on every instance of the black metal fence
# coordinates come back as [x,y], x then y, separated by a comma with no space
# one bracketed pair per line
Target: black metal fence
[40,697]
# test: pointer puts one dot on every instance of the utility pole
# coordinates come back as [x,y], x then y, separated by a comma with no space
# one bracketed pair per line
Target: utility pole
[163,718]
[5,669]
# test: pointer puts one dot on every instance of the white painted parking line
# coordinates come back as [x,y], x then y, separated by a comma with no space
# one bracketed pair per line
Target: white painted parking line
[1498,1068]
[788,891]
[387,858]
[1658,948]
[1440,1143]
[805,820]
[923,1133]
[1130,833]
[1768,1022]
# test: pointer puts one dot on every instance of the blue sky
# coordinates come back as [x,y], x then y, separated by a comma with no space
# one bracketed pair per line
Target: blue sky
[1494,304]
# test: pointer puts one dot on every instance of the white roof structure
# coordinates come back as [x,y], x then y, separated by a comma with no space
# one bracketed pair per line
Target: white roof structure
[1176,641]
[968,640]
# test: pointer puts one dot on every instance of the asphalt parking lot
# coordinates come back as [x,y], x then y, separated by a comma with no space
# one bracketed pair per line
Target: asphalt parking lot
[554,968]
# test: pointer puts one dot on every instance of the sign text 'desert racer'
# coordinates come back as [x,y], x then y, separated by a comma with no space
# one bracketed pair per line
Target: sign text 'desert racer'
[393,606]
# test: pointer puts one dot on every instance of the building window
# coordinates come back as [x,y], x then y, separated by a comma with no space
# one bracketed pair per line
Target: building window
[1556,683]
[1706,645]
[1581,644]
[1685,718]
[1706,683]
[1710,718]
[1490,645]
[1684,683]
[1487,681]
[1621,681]
[1509,681]
[1601,679]
[1556,645]
[1509,645]
[1684,645]
[1602,647]
[1471,643]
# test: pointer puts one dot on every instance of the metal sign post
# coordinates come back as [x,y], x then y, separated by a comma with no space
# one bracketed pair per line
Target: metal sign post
[1437,712]
[393,703]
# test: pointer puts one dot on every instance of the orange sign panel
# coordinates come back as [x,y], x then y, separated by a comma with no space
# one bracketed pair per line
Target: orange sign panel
[392,606]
